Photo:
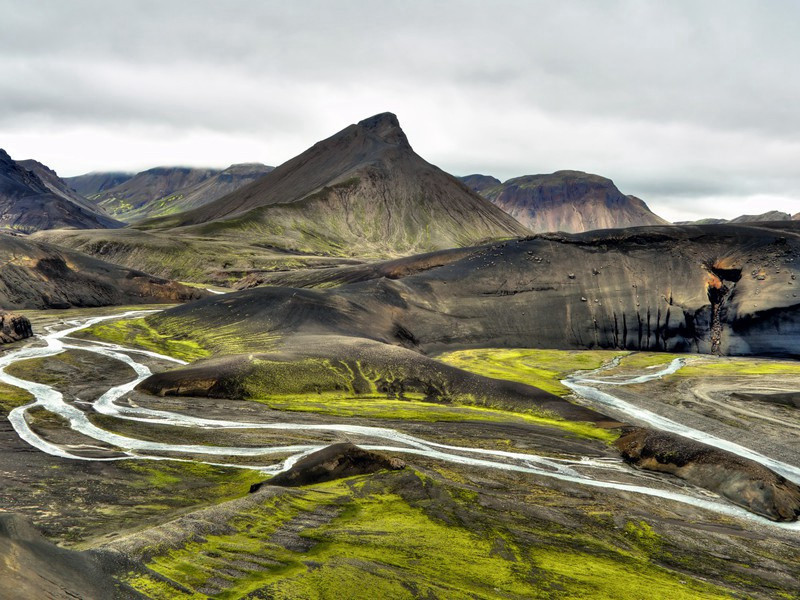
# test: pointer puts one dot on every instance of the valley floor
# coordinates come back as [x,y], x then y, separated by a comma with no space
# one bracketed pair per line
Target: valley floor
[494,503]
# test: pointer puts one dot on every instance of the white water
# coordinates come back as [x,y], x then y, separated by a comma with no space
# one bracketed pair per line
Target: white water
[384,438]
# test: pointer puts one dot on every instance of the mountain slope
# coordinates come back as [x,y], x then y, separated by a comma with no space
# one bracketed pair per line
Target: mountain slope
[38,275]
[95,182]
[570,201]
[200,193]
[30,203]
[59,186]
[160,184]
[363,191]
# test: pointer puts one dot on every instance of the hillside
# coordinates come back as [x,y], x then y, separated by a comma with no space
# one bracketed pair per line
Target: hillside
[152,188]
[97,181]
[32,198]
[38,275]
[201,193]
[767,217]
[363,191]
[720,288]
[569,201]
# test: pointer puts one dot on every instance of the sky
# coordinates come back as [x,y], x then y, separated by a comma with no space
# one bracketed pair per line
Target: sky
[689,105]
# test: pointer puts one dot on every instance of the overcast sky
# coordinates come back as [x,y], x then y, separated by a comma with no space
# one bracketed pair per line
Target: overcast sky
[693,106]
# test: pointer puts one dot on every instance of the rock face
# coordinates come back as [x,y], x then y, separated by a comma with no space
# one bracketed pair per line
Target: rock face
[363,191]
[333,462]
[14,328]
[166,190]
[33,567]
[730,289]
[741,481]
[569,201]
[31,203]
[37,275]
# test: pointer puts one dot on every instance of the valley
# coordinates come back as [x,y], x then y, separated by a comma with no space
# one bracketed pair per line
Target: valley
[463,462]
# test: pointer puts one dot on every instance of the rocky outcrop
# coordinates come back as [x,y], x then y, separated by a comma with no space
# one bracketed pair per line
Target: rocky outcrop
[743,482]
[570,201]
[14,328]
[336,461]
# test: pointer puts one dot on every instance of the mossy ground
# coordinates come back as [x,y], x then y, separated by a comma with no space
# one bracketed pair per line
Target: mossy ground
[138,333]
[540,368]
[405,535]
[381,407]
[12,397]
[711,367]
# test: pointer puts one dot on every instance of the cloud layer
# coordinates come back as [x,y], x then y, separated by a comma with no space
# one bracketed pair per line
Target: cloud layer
[691,106]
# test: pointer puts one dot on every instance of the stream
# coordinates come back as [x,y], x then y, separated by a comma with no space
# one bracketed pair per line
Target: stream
[581,470]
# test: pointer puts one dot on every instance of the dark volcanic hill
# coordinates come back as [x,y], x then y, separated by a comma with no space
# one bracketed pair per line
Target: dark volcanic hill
[37,275]
[59,186]
[569,201]
[97,181]
[199,194]
[362,191]
[730,289]
[33,198]
[158,185]
[479,183]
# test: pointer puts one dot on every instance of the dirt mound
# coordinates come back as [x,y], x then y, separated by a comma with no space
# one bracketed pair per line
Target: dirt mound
[336,461]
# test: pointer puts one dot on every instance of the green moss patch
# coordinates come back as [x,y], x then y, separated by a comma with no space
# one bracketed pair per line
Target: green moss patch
[12,397]
[540,368]
[139,334]
[402,535]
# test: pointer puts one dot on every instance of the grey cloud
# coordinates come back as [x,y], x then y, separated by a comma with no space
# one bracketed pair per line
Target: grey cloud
[678,99]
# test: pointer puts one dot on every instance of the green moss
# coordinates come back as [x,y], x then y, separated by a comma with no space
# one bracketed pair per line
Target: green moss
[376,543]
[138,333]
[381,407]
[738,367]
[540,368]
[12,397]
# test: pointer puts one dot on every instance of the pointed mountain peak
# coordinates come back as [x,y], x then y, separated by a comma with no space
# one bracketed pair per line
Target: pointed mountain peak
[387,127]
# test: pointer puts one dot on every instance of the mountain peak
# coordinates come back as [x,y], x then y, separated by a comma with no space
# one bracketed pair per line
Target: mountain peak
[387,127]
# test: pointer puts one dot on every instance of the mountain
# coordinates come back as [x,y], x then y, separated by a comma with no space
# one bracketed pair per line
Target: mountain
[160,185]
[35,275]
[479,183]
[93,183]
[191,196]
[569,201]
[59,186]
[33,198]
[767,217]
[363,191]
[773,215]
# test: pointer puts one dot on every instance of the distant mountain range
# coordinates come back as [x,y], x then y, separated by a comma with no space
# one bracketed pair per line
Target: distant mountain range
[773,215]
[569,201]
[32,198]
[93,183]
[167,190]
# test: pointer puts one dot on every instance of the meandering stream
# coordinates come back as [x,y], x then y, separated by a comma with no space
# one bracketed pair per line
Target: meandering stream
[581,470]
